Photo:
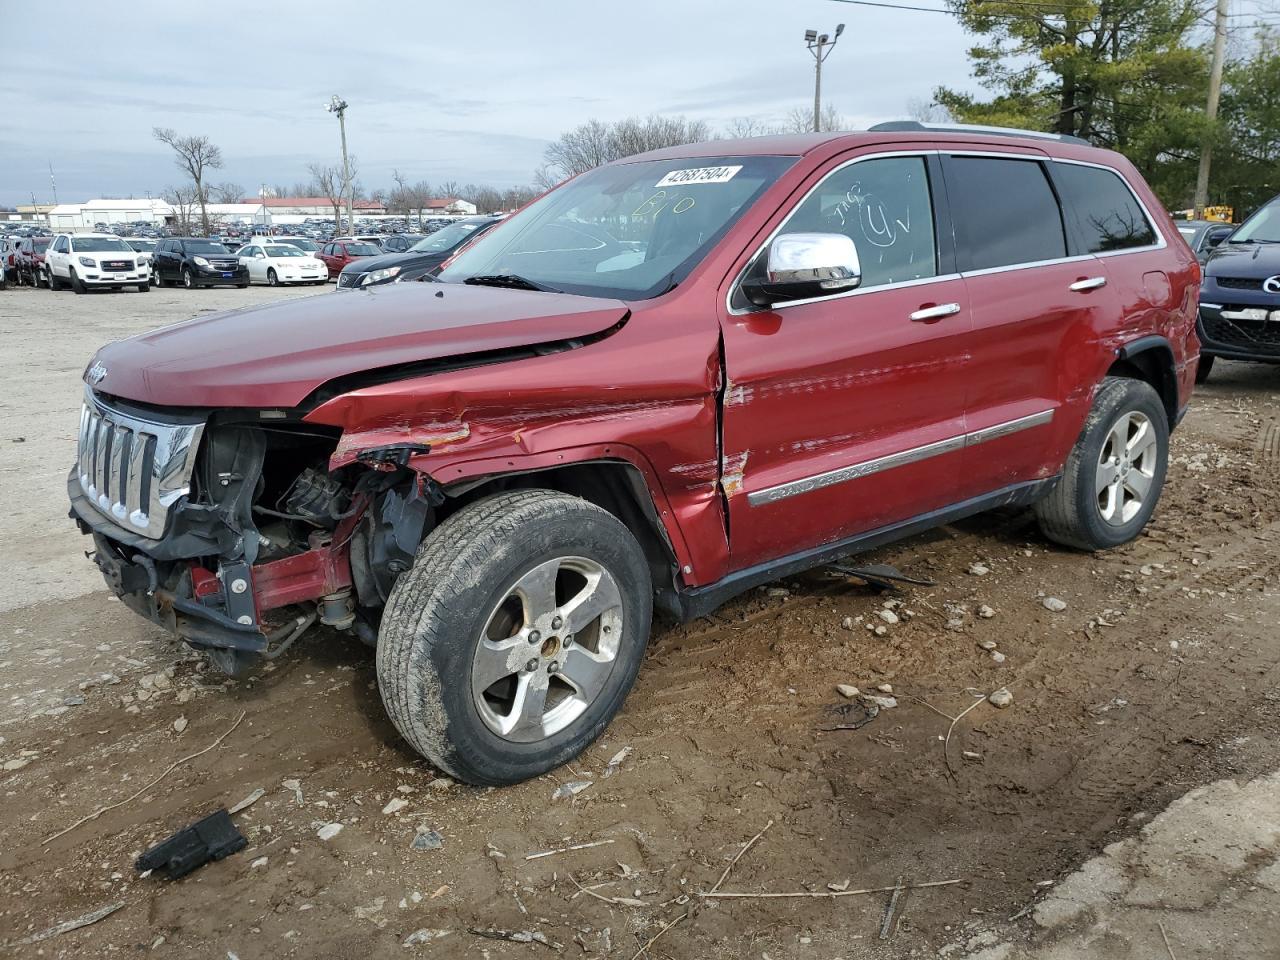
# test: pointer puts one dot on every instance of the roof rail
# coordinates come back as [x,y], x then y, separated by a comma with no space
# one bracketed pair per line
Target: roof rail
[891,126]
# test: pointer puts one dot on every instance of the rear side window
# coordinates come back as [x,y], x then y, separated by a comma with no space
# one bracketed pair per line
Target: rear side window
[1004,212]
[883,205]
[1107,216]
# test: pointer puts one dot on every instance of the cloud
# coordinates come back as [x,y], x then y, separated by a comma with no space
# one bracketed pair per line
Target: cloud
[474,95]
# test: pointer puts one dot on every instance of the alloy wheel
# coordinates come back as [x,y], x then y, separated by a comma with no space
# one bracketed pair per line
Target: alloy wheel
[1126,468]
[547,649]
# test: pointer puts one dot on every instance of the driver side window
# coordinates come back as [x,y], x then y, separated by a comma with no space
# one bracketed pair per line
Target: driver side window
[883,206]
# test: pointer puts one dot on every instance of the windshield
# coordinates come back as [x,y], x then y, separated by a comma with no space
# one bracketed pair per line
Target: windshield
[143,246]
[362,250]
[281,250]
[309,245]
[446,239]
[1262,227]
[40,246]
[100,245]
[205,246]
[631,230]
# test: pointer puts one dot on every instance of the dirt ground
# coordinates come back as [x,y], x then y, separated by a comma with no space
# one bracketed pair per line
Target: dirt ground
[1162,674]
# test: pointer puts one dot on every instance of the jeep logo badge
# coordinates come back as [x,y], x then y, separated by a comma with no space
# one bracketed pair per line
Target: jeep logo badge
[1271,284]
[98,370]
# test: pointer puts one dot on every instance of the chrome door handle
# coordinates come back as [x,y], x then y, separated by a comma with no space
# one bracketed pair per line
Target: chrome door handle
[936,313]
[1093,283]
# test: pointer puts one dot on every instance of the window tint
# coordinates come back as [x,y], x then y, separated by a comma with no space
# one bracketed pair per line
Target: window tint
[1004,212]
[1107,215]
[883,206]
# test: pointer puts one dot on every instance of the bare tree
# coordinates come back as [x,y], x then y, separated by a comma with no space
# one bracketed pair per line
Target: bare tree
[183,201]
[226,192]
[195,156]
[328,180]
[927,111]
[595,142]
[740,128]
[800,120]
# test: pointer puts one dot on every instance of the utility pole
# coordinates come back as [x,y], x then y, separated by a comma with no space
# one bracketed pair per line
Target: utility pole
[820,47]
[1211,109]
[53,183]
[339,106]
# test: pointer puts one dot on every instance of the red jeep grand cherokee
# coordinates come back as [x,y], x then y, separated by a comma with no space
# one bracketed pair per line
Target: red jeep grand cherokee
[668,380]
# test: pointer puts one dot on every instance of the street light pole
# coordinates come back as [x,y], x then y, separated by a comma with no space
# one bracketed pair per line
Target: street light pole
[339,106]
[820,47]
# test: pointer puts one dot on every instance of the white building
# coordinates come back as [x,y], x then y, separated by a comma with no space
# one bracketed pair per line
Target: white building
[83,216]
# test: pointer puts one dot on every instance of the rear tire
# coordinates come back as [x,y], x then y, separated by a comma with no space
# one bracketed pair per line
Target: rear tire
[1204,367]
[54,282]
[499,583]
[1114,474]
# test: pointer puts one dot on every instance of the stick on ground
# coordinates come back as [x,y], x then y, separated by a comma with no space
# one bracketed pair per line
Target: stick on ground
[576,846]
[66,926]
[745,847]
[825,895]
[1165,936]
[946,744]
[174,766]
[654,939]
[890,920]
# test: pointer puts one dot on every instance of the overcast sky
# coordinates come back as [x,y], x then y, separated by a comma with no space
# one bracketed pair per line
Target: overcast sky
[464,91]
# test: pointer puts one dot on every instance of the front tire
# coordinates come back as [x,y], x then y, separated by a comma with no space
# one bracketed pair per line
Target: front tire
[272,279]
[1115,473]
[76,283]
[513,640]
[188,280]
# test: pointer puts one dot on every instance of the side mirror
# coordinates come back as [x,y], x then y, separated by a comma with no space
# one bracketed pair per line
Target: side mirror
[259,256]
[1217,235]
[805,265]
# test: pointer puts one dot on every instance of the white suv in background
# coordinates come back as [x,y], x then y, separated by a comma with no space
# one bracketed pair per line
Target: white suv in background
[90,260]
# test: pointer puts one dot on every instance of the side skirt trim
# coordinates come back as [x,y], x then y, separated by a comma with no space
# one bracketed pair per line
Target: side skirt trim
[700,601]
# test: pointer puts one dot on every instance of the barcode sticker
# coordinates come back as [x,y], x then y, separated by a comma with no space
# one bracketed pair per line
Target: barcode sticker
[681,178]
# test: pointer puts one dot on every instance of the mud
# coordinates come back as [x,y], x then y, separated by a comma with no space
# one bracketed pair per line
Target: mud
[1161,675]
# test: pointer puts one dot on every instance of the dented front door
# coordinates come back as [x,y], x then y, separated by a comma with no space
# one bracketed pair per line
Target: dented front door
[846,414]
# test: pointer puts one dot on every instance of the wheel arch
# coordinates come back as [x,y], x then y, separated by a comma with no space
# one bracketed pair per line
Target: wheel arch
[615,485]
[1151,360]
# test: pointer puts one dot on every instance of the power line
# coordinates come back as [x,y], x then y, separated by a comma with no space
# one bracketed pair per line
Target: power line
[1010,15]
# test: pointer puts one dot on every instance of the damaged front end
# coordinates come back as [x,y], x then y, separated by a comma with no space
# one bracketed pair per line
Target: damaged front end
[227,528]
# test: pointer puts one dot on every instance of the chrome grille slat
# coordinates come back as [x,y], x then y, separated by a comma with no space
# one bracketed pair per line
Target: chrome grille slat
[134,469]
[100,459]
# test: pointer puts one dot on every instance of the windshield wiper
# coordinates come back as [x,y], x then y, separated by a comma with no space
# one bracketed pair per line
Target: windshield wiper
[509,280]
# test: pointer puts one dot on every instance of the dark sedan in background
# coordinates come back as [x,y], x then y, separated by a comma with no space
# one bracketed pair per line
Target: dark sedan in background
[423,258]
[402,242]
[1240,295]
[1203,235]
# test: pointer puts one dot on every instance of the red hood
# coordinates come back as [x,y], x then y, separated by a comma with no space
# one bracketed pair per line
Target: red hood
[275,355]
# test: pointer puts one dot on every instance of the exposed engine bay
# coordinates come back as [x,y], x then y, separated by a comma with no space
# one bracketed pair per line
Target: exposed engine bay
[259,541]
